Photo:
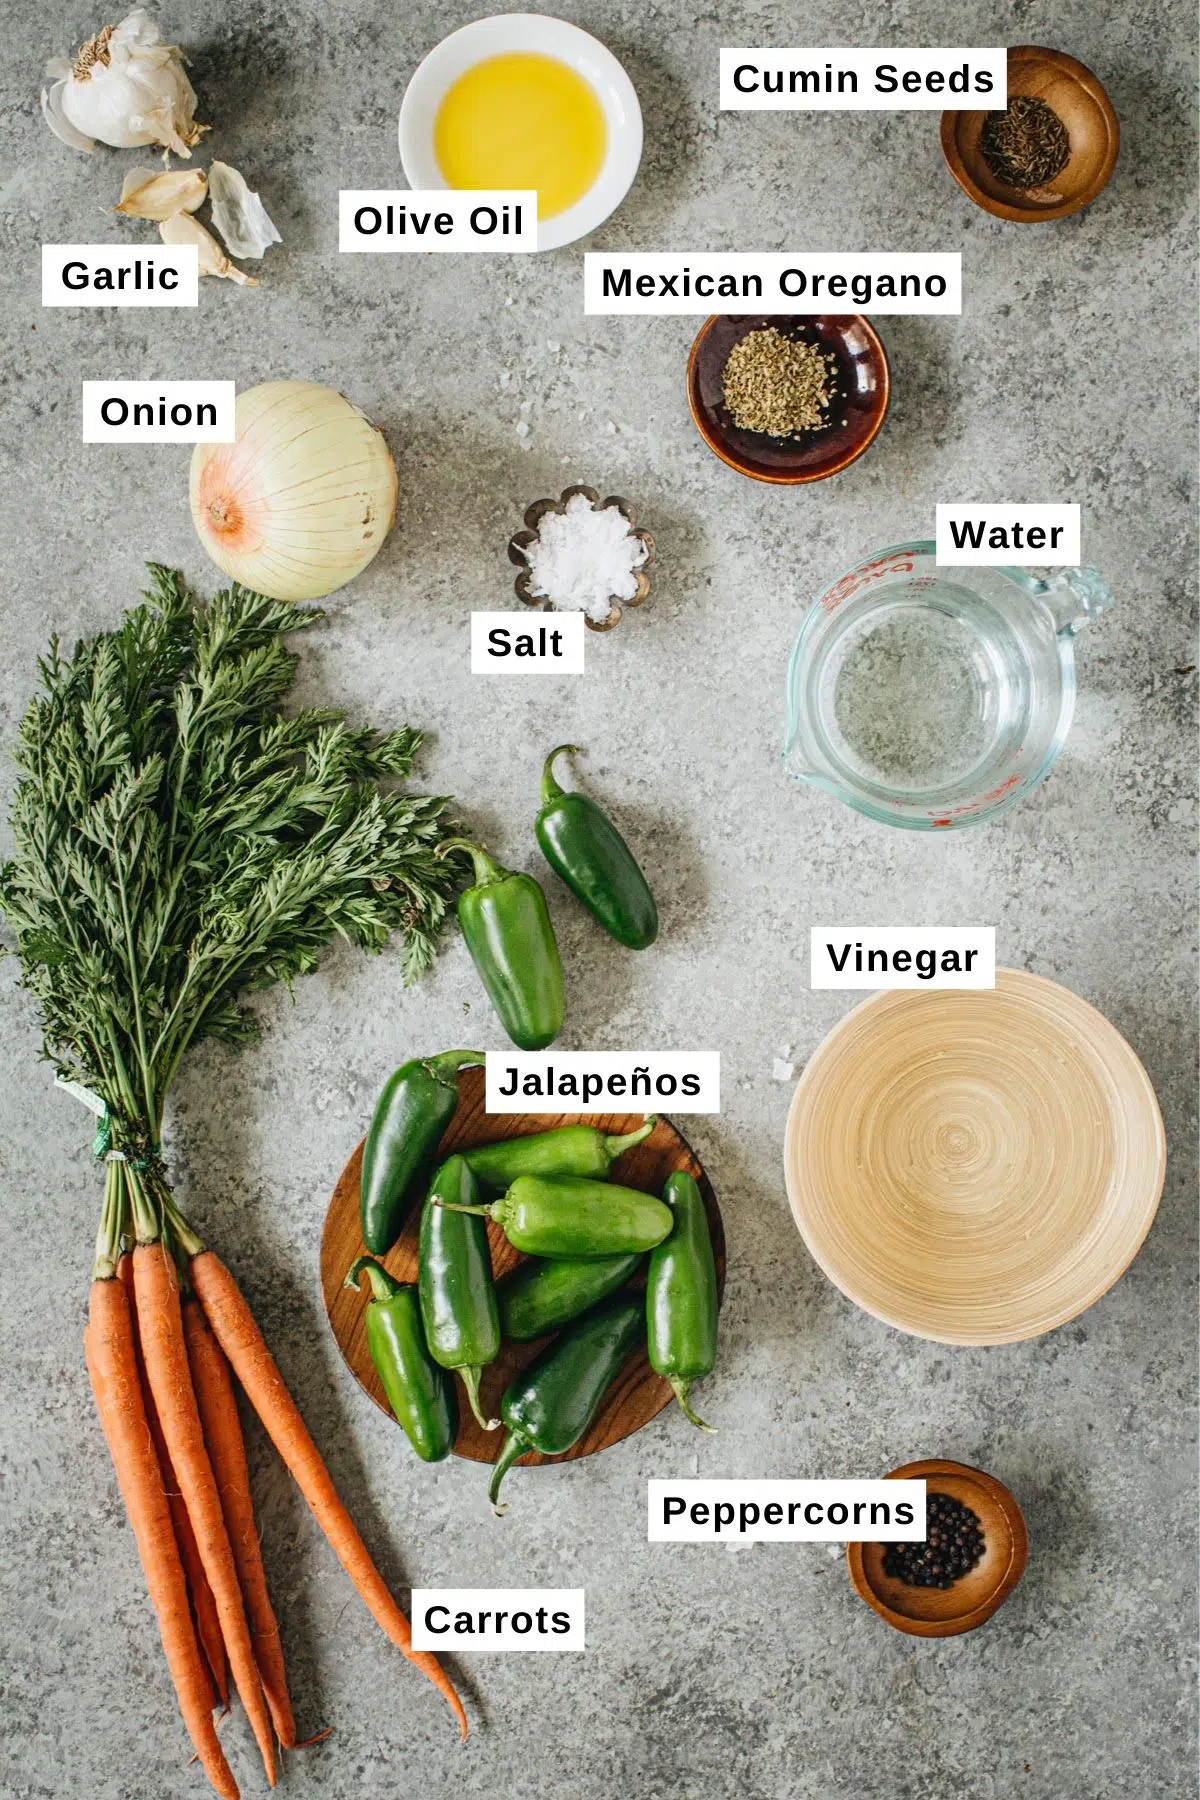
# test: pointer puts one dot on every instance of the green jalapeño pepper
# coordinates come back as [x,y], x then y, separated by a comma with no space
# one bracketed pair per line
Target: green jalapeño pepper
[419,1393]
[507,928]
[458,1300]
[584,847]
[571,1150]
[563,1217]
[412,1112]
[681,1295]
[551,1403]
[540,1296]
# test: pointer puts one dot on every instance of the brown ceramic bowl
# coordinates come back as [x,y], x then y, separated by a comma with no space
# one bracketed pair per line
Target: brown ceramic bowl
[1092,129]
[861,397]
[945,1612]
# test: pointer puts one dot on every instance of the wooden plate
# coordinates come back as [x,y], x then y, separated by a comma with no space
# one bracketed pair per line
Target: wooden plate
[975,1167]
[637,1395]
[947,1612]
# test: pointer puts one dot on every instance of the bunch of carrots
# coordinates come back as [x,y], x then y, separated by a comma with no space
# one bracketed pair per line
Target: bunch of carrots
[168,1331]
[180,842]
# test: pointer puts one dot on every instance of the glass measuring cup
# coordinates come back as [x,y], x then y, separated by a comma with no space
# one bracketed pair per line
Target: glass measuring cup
[935,697]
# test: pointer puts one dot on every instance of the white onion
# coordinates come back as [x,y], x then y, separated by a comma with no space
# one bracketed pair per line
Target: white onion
[302,500]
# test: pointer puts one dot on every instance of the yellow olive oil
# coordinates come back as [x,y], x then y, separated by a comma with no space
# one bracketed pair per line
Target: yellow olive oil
[522,120]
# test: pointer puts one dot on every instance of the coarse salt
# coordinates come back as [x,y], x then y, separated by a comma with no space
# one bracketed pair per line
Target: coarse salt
[585,558]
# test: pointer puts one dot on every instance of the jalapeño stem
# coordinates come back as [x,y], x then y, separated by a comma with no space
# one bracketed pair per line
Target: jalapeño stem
[514,1447]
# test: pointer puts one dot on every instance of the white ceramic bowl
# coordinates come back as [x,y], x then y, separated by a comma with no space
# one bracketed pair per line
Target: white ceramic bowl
[501,36]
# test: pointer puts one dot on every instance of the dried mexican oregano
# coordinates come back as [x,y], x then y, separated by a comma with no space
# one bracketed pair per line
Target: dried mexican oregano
[778,385]
[953,1545]
[1026,146]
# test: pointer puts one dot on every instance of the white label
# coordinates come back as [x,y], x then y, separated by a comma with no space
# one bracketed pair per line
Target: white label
[864,80]
[786,1512]
[400,219]
[677,1081]
[971,536]
[902,956]
[772,282]
[120,275]
[158,412]
[461,1619]
[527,643]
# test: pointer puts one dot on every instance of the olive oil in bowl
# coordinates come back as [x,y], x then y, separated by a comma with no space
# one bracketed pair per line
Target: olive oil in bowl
[522,120]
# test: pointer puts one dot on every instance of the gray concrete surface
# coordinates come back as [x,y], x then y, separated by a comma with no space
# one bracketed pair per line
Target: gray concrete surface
[1068,376]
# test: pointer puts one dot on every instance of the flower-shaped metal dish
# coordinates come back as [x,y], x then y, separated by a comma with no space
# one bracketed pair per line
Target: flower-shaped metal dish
[519,543]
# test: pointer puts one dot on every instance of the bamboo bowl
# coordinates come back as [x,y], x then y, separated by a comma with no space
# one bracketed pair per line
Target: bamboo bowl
[971,1601]
[1093,131]
[975,1167]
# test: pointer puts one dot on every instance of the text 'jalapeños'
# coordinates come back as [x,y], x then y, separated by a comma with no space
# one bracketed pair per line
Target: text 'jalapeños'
[640,1084]
[604,1081]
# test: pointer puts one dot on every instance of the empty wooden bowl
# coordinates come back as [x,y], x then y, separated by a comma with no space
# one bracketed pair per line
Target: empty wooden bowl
[1093,132]
[975,1167]
[946,1612]
[636,1396]
[860,400]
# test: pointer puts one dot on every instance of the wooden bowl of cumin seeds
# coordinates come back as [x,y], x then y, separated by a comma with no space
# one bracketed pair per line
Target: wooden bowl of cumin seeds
[1056,158]
[788,398]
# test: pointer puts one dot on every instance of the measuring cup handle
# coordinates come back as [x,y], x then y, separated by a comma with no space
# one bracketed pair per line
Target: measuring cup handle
[1075,596]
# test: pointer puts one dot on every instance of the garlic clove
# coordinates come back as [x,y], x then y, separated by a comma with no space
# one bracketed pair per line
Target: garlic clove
[147,194]
[57,120]
[238,214]
[181,228]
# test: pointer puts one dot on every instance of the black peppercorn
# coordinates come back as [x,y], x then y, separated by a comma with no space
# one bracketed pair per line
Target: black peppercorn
[953,1545]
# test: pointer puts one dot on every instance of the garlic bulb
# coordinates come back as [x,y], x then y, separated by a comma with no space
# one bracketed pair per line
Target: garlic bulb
[303,498]
[123,88]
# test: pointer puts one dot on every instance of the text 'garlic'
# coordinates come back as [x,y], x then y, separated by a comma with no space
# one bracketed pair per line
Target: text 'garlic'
[181,229]
[147,195]
[238,214]
[124,88]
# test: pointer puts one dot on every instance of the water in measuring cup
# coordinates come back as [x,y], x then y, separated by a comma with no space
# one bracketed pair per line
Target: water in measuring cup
[916,697]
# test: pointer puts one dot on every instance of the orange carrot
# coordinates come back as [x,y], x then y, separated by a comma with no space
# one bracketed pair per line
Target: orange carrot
[112,1367]
[160,1327]
[255,1368]
[204,1607]
[227,1453]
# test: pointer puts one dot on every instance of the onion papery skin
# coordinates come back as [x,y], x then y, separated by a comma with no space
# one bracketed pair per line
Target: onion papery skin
[302,500]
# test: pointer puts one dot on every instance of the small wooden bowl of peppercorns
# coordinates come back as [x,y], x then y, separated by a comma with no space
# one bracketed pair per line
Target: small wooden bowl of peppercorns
[973,1556]
[1049,153]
